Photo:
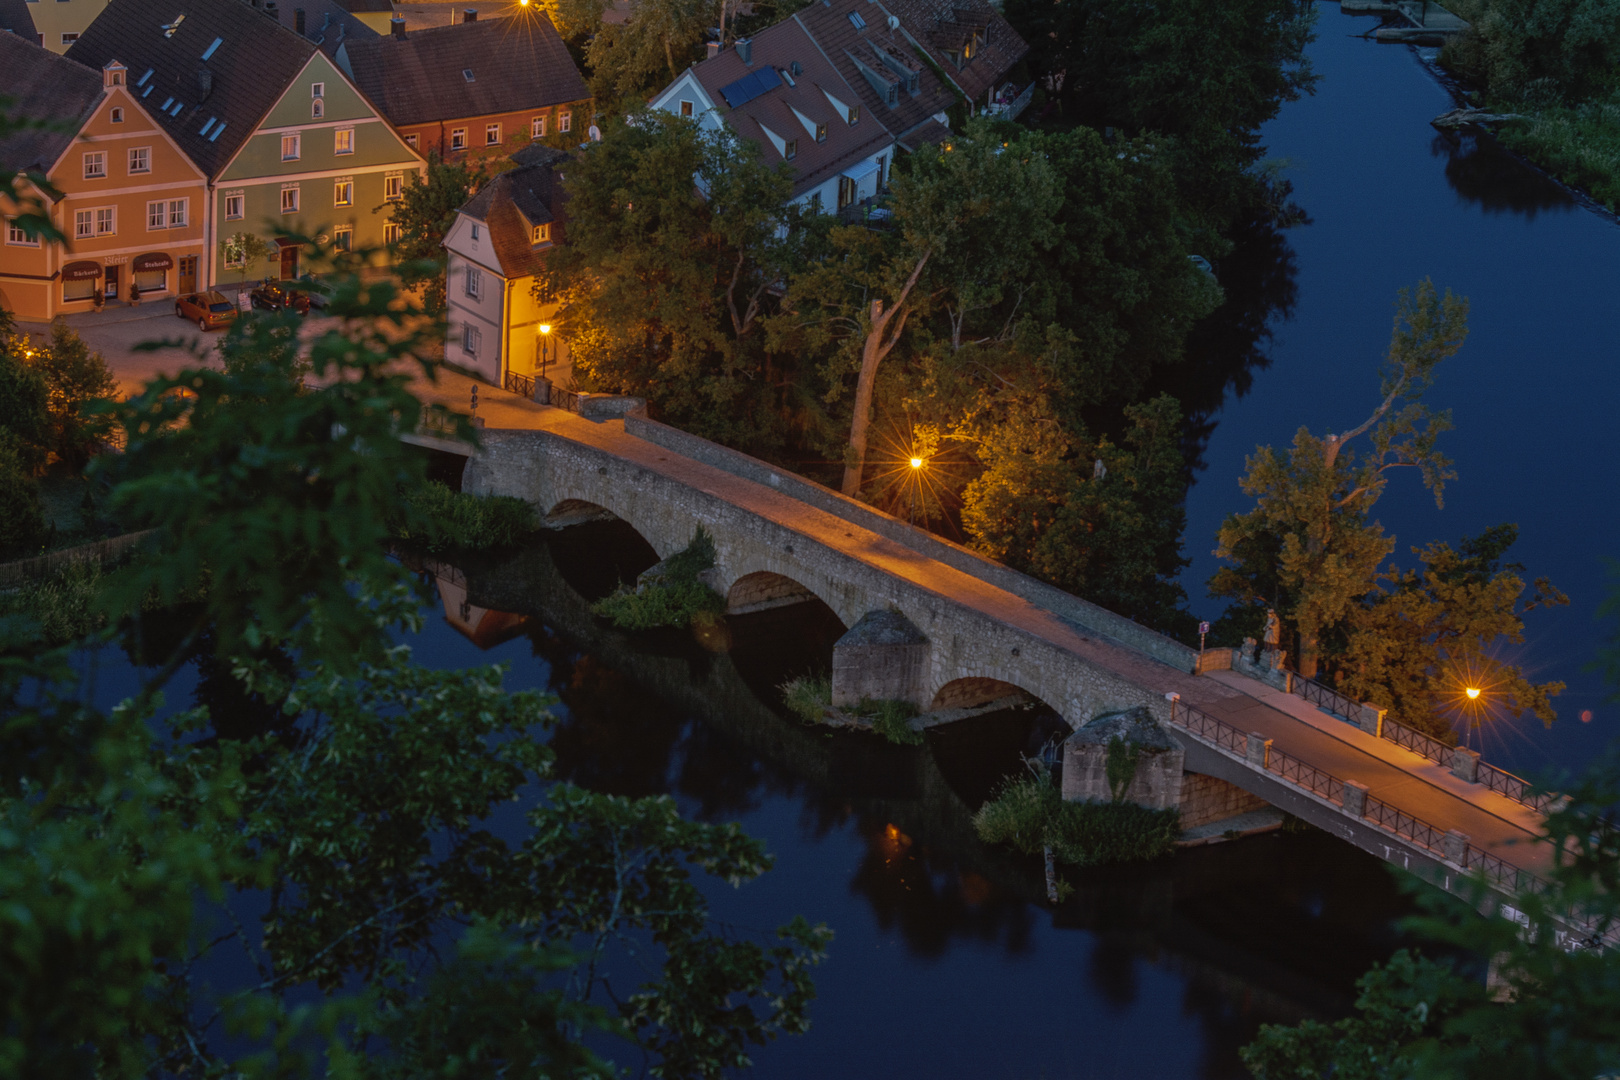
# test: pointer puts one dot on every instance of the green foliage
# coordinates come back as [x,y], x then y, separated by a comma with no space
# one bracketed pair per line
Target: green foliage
[670,594]
[808,697]
[662,288]
[243,250]
[1538,51]
[1578,143]
[22,517]
[1120,766]
[1415,645]
[424,213]
[439,520]
[81,388]
[25,405]
[1554,1008]
[63,605]
[1309,547]
[640,56]
[1029,814]
[890,719]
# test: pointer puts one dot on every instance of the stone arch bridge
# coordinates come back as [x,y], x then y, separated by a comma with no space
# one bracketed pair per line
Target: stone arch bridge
[931,622]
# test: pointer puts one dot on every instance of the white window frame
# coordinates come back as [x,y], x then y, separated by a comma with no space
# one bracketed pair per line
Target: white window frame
[235,257]
[84,224]
[95,165]
[343,238]
[392,232]
[343,193]
[537,128]
[495,130]
[542,234]
[235,206]
[16,237]
[411,140]
[109,215]
[179,213]
[157,215]
[565,122]
[471,339]
[317,89]
[146,159]
[317,109]
[458,138]
[290,206]
[343,140]
[688,108]
[296,142]
[473,283]
[393,187]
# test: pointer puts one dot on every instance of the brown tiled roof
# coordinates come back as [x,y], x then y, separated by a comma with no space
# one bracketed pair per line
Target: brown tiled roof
[46,87]
[368,5]
[15,17]
[517,63]
[940,26]
[255,60]
[858,54]
[931,133]
[326,22]
[513,203]
[780,47]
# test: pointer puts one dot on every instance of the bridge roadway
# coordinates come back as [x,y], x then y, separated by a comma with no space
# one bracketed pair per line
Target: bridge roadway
[1399,777]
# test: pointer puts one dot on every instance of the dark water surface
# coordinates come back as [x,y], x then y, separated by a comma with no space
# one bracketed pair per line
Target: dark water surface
[1534,392]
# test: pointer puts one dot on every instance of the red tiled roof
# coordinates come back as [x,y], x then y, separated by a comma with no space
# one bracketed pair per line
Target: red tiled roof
[514,202]
[941,26]
[778,109]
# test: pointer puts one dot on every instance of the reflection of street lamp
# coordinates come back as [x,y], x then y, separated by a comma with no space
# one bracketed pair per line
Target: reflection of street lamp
[545,336]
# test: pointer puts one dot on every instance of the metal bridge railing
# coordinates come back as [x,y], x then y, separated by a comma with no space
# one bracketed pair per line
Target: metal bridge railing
[1417,742]
[1505,783]
[1309,777]
[1323,697]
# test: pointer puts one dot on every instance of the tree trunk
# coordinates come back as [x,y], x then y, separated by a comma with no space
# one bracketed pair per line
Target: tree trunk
[1308,651]
[873,350]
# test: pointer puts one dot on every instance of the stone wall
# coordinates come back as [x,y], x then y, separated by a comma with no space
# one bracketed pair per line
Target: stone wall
[1206,799]
[1156,783]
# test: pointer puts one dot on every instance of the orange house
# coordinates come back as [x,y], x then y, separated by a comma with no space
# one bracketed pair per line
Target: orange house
[130,203]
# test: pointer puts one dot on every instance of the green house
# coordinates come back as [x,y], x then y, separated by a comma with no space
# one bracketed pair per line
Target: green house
[287,142]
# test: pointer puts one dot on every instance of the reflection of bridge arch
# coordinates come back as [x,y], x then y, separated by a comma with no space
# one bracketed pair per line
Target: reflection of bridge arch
[594,549]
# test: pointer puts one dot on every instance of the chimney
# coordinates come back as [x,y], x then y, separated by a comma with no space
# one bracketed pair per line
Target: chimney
[205,82]
[713,49]
[271,10]
[298,19]
[470,15]
[745,50]
[396,27]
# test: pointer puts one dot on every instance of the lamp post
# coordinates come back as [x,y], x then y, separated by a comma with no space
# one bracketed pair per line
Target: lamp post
[916,485]
[545,337]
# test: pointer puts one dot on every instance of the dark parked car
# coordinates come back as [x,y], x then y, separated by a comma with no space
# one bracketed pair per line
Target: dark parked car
[276,296]
[206,309]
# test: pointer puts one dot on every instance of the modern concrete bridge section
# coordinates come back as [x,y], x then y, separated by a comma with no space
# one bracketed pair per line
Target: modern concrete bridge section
[987,632]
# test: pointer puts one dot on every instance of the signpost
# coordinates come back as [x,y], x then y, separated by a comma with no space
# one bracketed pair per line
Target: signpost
[1203,628]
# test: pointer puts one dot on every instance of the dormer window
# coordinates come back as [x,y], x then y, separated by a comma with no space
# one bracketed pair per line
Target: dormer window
[854,115]
[821,133]
[542,234]
[791,151]
[856,21]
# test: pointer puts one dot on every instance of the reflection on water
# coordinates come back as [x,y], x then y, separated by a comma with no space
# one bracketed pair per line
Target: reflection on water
[878,840]
[1481,172]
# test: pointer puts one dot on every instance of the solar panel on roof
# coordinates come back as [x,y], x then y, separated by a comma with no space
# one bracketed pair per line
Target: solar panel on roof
[750,86]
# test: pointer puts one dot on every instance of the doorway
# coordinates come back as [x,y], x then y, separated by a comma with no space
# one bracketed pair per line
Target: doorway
[188,274]
[289,262]
[110,283]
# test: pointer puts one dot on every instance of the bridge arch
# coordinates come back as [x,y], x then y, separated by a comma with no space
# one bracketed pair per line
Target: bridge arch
[594,549]
[973,691]
[999,725]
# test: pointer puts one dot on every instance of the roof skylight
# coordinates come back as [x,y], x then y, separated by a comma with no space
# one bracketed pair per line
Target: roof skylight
[210,50]
[466,73]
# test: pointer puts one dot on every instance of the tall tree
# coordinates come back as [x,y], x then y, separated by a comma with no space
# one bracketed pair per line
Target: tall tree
[77,380]
[426,210]
[1309,547]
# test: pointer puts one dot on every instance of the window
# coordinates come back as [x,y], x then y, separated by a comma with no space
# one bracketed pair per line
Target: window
[565,121]
[466,73]
[474,283]
[68,39]
[117,116]
[846,191]
[392,233]
[289,200]
[792,149]
[317,109]
[856,21]
[317,89]
[537,128]
[343,238]
[106,222]
[492,134]
[88,223]
[95,165]
[343,193]
[208,53]
[542,234]
[821,133]
[177,213]
[686,108]
[393,187]
[343,140]
[140,159]
[233,207]
[854,115]
[15,235]
[410,141]
[470,339]
[475,234]
[290,147]
[83,224]
[157,215]
[458,139]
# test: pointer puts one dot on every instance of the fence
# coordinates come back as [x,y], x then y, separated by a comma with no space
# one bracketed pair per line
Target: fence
[1323,697]
[102,551]
[1213,660]
[521,385]
[1505,783]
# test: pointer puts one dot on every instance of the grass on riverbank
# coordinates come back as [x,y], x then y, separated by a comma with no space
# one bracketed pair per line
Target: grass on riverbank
[1030,815]
[809,697]
[673,593]
[63,604]
[1579,144]
[438,520]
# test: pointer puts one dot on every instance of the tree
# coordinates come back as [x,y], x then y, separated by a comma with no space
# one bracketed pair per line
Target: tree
[676,237]
[1539,51]
[242,250]
[1550,1009]
[1312,510]
[424,213]
[78,380]
[659,40]
[1416,646]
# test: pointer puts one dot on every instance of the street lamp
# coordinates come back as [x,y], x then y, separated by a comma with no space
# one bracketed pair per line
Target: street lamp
[545,336]
[1472,692]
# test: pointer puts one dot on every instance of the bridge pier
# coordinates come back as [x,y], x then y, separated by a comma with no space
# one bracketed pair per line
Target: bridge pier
[883,657]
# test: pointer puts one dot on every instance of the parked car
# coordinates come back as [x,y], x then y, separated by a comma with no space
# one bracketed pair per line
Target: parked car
[277,296]
[206,309]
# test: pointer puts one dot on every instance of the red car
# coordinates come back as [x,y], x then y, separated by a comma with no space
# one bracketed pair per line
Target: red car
[207,309]
[276,296]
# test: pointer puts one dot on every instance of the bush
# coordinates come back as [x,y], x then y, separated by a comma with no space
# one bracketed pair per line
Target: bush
[670,594]
[22,515]
[63,605]
[1580,145]
[439,520]
[1030,815]
[889,720]
[808,697]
